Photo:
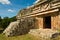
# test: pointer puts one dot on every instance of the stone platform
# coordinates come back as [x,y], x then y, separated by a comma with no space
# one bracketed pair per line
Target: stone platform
[44,33]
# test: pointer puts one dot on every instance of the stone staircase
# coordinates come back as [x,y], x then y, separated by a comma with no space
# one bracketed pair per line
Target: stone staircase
[11,29]
[17,28]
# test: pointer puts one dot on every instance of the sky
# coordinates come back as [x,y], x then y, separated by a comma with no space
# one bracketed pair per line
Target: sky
[10,8]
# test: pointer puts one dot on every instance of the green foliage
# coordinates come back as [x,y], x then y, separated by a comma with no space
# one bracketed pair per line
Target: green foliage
[5,21]
[0,19]
[0,22]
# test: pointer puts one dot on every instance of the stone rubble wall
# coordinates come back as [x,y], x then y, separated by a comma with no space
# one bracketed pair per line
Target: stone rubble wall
[19,27]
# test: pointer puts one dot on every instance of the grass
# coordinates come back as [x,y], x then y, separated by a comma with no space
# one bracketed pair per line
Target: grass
[24,37]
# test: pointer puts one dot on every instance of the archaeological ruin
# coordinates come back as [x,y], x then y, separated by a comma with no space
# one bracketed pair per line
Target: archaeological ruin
[45,14]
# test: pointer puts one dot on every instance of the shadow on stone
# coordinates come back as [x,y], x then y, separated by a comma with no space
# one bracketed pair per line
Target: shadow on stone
[55,35]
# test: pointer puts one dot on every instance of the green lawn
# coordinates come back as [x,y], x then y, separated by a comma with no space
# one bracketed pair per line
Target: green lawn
[24,37]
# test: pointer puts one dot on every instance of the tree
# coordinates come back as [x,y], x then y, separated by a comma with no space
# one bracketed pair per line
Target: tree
[6,21]
[0,22]
[0,19]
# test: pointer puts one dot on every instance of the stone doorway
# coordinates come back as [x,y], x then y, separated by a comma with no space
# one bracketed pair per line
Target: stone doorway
[47,22]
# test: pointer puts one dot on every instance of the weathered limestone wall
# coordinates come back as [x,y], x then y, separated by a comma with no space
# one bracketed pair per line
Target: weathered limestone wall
[39,22]
[58,21]
[55,21]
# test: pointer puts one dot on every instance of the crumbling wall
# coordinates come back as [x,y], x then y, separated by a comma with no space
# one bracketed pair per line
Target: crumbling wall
[26,25]
[19,27]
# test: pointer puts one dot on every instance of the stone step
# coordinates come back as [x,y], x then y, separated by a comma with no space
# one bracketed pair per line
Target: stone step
[44,33]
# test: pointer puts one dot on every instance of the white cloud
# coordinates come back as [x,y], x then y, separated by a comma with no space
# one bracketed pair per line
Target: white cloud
[5,1]
[11,10]
[36,1]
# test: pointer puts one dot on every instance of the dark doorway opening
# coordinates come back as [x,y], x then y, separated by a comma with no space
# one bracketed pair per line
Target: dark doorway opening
[47,22]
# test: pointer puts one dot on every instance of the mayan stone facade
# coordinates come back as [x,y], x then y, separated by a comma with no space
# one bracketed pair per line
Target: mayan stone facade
[45,12]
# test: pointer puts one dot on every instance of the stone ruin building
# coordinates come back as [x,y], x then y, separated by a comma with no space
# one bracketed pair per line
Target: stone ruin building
[45,14]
